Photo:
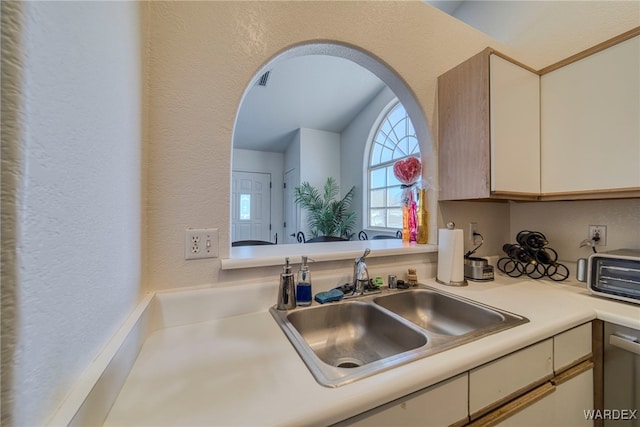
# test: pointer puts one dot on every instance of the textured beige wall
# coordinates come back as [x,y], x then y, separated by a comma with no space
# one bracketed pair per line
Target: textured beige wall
[492,219]
[202,57]
[566,224]
[71,166]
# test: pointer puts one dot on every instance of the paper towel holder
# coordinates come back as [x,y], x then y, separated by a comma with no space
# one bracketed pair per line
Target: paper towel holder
[450,226]
[452,283]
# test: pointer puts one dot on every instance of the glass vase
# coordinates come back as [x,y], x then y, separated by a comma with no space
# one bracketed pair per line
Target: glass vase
[409,215]
[423,218]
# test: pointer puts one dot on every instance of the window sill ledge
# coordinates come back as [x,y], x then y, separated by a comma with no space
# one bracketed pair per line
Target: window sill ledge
[271,255]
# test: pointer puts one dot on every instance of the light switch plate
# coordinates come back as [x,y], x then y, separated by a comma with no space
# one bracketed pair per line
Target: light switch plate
[200,243]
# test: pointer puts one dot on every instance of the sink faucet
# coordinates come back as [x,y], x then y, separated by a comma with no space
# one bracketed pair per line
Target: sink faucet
[360,273]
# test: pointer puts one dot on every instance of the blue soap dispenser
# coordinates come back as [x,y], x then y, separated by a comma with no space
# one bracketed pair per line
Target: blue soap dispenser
[303,285]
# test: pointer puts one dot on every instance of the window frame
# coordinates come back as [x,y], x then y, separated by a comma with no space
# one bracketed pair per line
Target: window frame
[375,129]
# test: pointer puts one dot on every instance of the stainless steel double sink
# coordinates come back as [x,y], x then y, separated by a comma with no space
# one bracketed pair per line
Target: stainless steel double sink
[341,342]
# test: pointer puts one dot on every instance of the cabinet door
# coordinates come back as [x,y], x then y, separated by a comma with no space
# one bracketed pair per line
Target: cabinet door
[571,347]
[488,130]
[503,379]
[590,126]
[515,128]
[463,130]
[573,401]
[440,405]
[567,403]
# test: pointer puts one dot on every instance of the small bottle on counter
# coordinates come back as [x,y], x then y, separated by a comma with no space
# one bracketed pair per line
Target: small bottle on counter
[423,217]
[412,277]
[303,284]
[286,289]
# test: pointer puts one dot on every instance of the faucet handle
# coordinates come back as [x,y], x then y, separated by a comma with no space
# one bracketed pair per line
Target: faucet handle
[361,258]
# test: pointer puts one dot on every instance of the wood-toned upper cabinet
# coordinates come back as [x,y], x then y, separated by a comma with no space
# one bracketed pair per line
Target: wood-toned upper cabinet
[590,123]
[489,130]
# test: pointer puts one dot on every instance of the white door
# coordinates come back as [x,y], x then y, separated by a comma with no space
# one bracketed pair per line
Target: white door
[291,210]
[251,206]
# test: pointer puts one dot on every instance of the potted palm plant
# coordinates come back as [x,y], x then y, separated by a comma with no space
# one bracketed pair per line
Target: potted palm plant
[326,215]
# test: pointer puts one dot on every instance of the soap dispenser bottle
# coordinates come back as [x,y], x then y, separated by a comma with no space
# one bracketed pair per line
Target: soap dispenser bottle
[287,289]
[303,284]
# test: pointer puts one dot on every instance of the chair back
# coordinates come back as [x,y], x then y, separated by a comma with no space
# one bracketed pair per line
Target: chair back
[327,239]
[250,243]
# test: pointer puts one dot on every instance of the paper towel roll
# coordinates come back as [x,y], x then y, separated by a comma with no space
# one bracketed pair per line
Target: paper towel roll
[451,257]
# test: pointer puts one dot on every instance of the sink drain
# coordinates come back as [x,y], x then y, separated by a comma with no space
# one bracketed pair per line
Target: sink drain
[348,362]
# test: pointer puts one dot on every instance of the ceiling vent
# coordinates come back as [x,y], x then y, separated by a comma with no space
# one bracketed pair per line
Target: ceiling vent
[262,81]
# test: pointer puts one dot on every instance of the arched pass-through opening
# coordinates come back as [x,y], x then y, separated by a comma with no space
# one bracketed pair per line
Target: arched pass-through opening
[383,72]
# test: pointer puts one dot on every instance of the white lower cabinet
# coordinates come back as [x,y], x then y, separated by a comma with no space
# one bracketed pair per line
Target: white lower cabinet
[564,404]
[442,404]
[549,383]
[573,398]
[499,381]
[557,394]
[572,347]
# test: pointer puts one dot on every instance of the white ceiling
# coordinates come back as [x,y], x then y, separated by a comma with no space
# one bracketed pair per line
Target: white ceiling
[313,91]
[447,6]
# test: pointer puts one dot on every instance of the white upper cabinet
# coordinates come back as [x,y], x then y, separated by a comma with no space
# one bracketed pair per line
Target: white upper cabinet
[590,123]
[515,128]
[567,132]
[488,130]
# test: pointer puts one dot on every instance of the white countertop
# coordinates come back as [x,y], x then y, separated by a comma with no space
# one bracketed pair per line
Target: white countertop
[242,370]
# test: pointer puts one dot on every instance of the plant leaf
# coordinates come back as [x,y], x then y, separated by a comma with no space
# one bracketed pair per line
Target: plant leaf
[326,216]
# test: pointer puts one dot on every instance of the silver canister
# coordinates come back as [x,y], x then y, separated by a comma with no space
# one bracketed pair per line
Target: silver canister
[477,269]
[391,280]
[581,270]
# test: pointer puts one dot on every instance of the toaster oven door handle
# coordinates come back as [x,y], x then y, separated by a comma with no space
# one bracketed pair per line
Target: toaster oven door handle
[624,343]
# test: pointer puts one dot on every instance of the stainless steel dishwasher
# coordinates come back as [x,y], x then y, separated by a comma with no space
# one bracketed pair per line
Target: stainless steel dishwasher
[621,375]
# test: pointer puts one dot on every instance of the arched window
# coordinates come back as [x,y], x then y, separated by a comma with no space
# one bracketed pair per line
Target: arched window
[394,139]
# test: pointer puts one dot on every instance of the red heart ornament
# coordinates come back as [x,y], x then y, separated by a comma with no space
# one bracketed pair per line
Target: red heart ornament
[408,170]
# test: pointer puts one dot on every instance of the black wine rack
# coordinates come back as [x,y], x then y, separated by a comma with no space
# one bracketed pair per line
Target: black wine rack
[531,256]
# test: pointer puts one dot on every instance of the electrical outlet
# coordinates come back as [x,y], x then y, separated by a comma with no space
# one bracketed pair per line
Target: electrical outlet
[598,234]
[200,243]
[473,228]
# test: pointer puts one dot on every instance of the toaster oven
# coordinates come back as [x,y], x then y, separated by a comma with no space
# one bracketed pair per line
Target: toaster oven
[615,274]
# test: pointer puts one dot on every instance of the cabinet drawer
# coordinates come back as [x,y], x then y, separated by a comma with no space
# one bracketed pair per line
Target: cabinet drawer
[571,346]
[496,382]
[442,404]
